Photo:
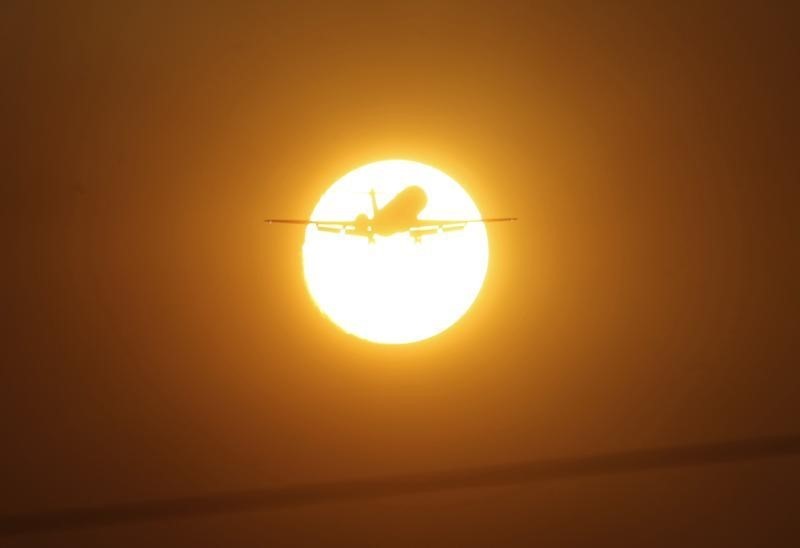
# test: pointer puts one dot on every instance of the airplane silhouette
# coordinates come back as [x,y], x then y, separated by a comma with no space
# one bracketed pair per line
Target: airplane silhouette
[399,215]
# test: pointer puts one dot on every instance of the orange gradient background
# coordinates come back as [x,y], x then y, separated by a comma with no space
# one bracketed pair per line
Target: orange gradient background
[160,340]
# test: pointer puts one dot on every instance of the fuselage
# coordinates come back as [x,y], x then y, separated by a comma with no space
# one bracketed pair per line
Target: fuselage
[400,213]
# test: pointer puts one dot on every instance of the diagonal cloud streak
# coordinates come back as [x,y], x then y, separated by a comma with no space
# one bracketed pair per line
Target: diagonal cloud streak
[388,486]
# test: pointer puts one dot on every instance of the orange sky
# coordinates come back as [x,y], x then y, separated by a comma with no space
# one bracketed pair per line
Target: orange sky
[161,342]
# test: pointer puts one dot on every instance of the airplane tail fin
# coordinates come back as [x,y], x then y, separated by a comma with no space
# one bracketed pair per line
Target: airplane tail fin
[374,202]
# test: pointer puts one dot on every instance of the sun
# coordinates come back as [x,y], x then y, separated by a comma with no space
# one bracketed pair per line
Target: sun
[396,289]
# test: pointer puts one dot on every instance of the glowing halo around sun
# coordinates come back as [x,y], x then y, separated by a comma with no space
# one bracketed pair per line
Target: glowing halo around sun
[395,290]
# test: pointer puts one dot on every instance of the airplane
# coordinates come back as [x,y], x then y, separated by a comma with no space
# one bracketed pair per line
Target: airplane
[399,215]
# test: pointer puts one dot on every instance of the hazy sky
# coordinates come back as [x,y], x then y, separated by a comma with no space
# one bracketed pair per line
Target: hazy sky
[160,341]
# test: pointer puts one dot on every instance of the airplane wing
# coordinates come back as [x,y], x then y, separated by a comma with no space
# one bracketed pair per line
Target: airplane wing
[424,227]
[339,227]
[421,223]
[309,222]
[455,224]
[424,223]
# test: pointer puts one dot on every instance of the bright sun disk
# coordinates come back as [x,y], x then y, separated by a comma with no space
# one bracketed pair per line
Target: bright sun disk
[395,290]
